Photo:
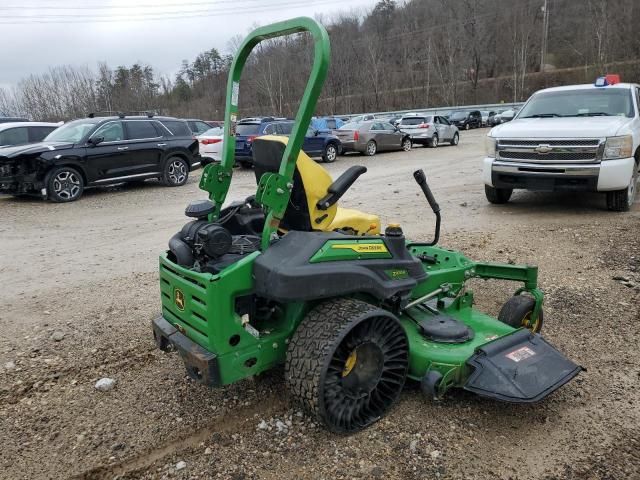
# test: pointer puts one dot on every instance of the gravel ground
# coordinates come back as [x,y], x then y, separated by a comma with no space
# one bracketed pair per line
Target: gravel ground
[79,288]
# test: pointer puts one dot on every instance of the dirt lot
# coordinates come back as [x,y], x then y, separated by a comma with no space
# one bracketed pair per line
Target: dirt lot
[79,288]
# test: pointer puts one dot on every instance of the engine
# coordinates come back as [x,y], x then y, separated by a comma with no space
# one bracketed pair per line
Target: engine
[210,247]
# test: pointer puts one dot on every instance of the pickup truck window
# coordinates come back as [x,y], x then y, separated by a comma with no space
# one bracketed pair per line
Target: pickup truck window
[589,102]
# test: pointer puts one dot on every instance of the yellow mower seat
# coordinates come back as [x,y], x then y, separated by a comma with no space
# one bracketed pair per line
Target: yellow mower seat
[311,184]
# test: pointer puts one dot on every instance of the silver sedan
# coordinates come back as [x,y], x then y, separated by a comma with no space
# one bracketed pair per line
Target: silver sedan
[372,136]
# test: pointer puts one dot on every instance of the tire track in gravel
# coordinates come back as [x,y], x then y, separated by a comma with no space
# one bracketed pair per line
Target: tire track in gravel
[240,421]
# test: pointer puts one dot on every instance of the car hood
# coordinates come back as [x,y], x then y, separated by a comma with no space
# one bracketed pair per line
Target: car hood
[569,127]
[33,149]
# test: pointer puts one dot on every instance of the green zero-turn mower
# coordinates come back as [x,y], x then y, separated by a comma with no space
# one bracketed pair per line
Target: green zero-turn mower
[288,277]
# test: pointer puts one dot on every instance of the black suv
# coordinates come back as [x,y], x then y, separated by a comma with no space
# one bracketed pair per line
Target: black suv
[98,151]
[466,120]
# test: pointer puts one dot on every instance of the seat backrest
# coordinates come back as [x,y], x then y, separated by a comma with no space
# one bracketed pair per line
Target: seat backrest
[310,183]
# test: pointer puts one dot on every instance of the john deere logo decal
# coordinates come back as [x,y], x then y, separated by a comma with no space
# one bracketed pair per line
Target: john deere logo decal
[178,298]
[362,247]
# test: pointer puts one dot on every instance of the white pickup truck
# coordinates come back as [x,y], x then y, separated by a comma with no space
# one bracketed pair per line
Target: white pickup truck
[576,138]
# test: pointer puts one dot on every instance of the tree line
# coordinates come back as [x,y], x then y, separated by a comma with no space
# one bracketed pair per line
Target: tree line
[399,55]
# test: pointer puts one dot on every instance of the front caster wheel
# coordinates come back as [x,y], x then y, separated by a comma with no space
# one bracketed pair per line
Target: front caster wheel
[516,312]
[347,363]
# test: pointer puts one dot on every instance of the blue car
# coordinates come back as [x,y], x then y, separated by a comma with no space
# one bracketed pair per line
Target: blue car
[317,143]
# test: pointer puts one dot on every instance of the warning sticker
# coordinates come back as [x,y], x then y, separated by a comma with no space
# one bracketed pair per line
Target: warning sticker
[520,354]
[234,93]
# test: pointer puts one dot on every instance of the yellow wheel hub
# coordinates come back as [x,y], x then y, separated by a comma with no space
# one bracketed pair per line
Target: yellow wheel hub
[349,364]
[527,323]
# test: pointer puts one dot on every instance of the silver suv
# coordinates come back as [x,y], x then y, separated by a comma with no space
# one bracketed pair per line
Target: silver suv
[429,130]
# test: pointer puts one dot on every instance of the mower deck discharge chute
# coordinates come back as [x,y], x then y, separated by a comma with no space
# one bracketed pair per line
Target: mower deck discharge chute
[289,277]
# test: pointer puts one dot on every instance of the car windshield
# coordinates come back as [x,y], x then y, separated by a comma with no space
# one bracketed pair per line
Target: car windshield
[71,132]
[350,126]
[212,132]
[458,115]
[591,102]
[248,129]
[413,120]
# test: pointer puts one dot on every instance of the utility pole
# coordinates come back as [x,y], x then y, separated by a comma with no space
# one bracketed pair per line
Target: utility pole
[545,33]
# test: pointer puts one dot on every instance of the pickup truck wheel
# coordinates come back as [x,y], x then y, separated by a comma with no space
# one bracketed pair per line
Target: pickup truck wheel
[497,195]
[330,153]
[65,184]
[176,172]
[621,200]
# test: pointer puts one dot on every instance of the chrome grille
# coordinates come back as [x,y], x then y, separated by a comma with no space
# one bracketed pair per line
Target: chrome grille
[535,143]
[551,150]
[559,156]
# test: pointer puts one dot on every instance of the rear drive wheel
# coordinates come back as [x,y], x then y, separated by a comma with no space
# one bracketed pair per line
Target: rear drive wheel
[330,153]
[65,184]
[347,363]
[456,139]
[621,200]
[371,148]
[516,312]
[406,144]
[434,141]
[497,195]
[176,172]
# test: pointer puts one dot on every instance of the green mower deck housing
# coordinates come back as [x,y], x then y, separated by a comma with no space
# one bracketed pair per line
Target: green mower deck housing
[250,286]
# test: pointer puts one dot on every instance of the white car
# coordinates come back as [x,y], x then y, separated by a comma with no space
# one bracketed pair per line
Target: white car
[576,138]
[19,133]
[210,145]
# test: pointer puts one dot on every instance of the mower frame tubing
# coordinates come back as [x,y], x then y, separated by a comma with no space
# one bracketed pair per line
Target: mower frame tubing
[274,190]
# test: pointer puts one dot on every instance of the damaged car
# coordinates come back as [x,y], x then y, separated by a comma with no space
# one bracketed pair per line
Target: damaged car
[97,151]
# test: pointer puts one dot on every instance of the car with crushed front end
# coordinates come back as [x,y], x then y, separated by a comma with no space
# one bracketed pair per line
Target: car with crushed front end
[429,130]
[97,151]
[372,136]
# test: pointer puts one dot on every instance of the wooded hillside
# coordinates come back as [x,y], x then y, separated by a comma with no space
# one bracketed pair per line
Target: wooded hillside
[418,54]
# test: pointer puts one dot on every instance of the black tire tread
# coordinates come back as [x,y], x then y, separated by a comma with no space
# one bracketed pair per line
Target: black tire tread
[497,195]
[516,308]
[313,343]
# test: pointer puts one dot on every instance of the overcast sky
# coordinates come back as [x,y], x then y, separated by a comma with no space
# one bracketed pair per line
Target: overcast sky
[37,34]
